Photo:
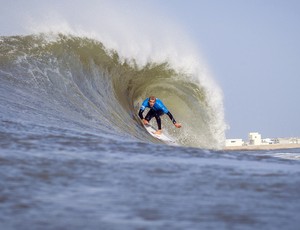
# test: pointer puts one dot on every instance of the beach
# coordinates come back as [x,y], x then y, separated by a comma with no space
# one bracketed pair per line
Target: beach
[263,147]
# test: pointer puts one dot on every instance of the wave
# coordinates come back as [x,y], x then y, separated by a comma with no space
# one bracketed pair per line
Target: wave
[71,75]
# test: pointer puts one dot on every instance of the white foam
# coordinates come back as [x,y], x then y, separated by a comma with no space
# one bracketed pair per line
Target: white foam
[289,156]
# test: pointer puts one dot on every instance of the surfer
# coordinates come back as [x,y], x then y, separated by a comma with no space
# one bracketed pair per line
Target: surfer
[157,109]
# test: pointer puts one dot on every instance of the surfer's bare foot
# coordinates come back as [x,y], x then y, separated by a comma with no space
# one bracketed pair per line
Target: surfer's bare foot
[158,132]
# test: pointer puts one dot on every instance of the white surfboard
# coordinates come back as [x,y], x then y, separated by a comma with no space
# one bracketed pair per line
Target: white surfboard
[161,137]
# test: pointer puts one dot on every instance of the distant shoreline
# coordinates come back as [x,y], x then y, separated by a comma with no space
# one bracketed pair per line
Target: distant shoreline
[263,147]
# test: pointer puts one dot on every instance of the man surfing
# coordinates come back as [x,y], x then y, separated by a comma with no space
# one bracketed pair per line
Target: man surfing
[157,109]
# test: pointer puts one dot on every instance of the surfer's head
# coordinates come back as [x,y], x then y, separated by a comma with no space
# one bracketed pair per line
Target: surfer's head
[151,101]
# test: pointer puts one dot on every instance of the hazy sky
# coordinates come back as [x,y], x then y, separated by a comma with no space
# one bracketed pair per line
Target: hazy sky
[252,48]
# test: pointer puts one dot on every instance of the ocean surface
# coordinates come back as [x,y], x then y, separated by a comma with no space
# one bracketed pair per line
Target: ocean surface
[74,155]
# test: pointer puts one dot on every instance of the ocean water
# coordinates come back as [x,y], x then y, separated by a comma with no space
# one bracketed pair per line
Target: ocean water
[73,154]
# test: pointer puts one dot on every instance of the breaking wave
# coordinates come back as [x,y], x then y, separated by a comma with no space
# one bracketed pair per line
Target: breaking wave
[68,76]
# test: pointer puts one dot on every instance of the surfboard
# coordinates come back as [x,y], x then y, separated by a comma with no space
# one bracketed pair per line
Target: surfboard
[163,137]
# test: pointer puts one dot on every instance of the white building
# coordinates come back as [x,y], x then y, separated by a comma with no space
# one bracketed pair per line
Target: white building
[267,141]
[234,142]
[288,140]
[254,138]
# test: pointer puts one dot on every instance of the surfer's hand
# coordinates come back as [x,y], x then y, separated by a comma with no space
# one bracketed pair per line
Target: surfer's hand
[178,125]
[145,122]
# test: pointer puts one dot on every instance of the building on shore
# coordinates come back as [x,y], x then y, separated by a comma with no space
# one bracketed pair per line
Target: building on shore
[234,142]
[293,140]
[255,139]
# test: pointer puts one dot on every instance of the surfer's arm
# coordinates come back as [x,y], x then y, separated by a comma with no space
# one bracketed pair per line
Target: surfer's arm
[141,114]
[145,122]
[171,117]
[173,120]
[143,107]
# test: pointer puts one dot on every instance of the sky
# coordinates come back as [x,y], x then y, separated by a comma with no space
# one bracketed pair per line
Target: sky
[252,49]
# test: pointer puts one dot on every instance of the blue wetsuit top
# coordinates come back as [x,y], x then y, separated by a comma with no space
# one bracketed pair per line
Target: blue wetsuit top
[158,106]
[157,110]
